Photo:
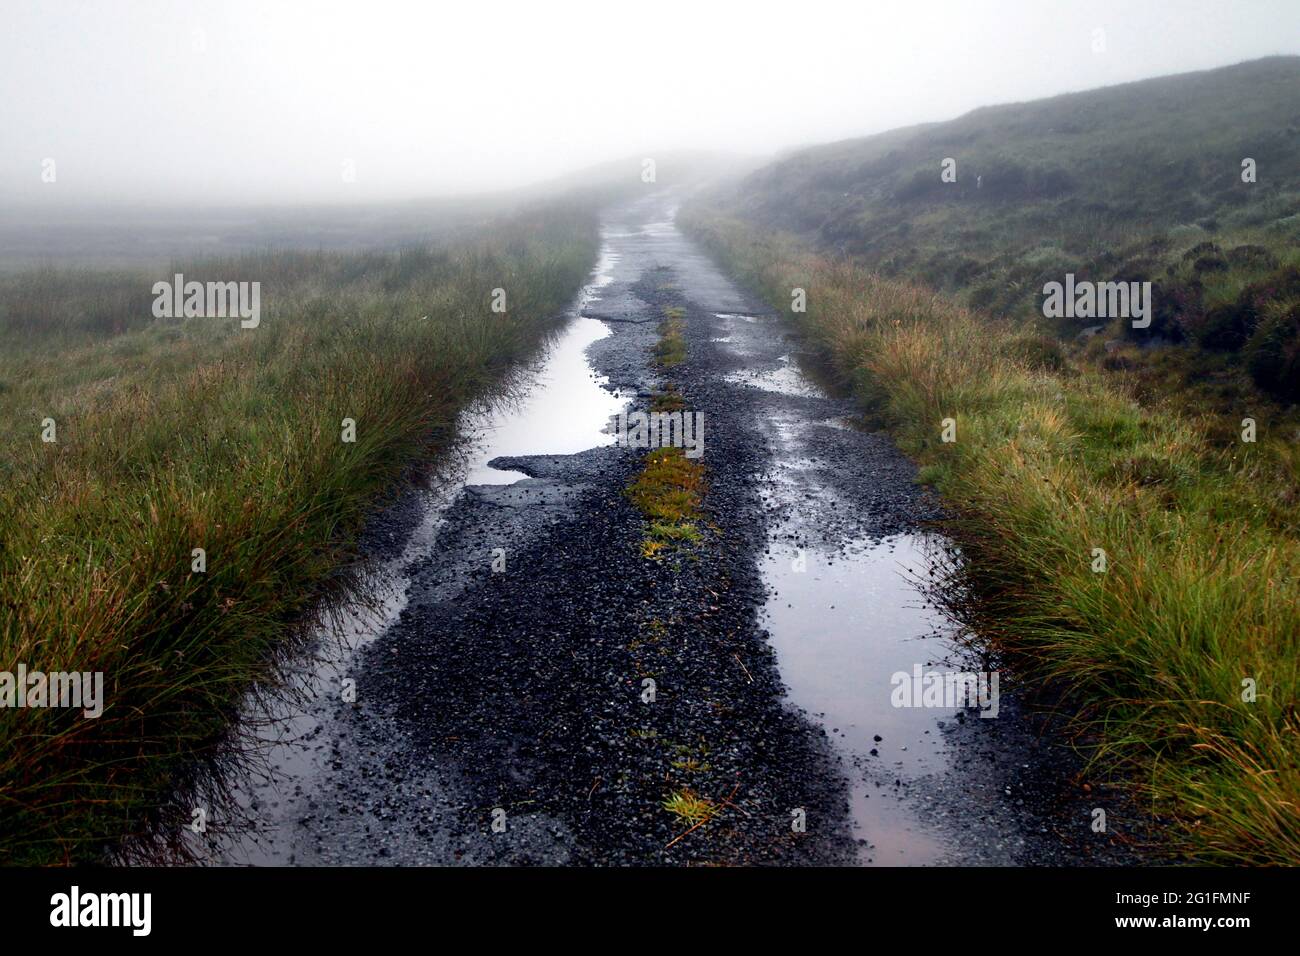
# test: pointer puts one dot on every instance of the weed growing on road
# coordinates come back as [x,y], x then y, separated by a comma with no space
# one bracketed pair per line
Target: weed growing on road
[668,492]
[671,349]
[669,400]
[689,807]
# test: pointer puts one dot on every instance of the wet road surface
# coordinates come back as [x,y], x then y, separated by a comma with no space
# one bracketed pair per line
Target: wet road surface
[491,707]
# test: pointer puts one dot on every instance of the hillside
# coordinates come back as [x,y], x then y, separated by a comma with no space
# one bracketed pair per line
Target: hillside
[1139,181]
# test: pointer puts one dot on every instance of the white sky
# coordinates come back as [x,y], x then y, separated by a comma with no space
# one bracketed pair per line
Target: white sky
[227,100]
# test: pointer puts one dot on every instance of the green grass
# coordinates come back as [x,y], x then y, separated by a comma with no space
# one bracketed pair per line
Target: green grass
[1052,459]
[668,400]
[689,808]
[670,487]
[1139,182]
[670,350]
[668,491]
[176,435]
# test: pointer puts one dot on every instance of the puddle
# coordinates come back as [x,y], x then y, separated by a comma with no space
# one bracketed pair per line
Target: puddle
[842,624]
[845,616]
[284,729]
[735,328]
[662,228]
[785,380]
[559,408]
[566,410]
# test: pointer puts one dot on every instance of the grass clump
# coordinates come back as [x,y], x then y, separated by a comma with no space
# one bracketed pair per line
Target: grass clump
[689,759]
[690,808]
[668,491]
[669,400]
[670,351]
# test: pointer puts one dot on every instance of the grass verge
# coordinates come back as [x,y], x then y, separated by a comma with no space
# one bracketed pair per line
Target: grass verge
[1183,654]
[176,435]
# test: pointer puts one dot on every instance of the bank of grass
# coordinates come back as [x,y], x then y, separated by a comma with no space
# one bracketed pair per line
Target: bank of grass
[1140,182]
[1200,601]
[186,434]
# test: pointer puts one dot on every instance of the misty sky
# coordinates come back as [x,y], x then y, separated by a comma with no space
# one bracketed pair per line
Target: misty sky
[256,101]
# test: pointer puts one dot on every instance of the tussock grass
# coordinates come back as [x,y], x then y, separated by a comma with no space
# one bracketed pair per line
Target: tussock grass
[689,807]
[1202,587]
[176,435]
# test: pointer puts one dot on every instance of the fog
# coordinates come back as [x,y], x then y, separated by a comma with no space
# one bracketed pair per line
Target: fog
[243,102]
